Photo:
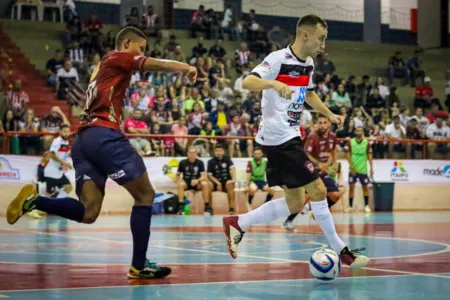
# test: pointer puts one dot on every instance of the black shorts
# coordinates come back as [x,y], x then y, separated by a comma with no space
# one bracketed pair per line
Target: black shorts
[224,185]
[330,184]
[288,164]
[190,187]
[363,179]
[53,183]
[259,183]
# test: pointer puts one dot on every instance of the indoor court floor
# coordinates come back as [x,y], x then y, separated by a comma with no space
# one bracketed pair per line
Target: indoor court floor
[55,259]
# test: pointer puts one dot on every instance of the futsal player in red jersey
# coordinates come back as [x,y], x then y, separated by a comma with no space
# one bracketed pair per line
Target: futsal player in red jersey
[320,146]
[100,151]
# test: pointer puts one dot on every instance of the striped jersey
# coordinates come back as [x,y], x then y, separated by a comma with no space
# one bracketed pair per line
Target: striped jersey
[280,116]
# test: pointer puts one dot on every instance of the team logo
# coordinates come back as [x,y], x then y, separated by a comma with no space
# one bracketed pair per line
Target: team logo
[117,175]
[7,171]
[170,169]
[294,74]
[265,64]
[224,165]
[310,166]
[398,172]
[288,56]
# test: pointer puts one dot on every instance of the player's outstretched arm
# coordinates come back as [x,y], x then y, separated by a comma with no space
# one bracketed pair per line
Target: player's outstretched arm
[257,84]
[170,66]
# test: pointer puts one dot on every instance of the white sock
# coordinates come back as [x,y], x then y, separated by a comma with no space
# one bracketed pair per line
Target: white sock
[323,216]
[266,213]
[62,194]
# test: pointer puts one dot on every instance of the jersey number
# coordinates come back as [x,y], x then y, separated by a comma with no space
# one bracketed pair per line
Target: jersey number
[91,93]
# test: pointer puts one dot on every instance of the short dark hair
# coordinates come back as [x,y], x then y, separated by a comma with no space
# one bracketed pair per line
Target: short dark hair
[128,32]
[64,126]
[312,20]
[257,149]
[220,146]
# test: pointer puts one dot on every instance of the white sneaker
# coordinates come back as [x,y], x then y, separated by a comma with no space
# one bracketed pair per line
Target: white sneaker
[367,209]
[348,209]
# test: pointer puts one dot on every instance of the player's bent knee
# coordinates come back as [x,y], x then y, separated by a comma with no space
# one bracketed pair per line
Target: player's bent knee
[335,196]
[317,190]
[203,185]
[68,188]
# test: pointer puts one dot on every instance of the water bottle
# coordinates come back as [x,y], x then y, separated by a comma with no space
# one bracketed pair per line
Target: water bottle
[187,209]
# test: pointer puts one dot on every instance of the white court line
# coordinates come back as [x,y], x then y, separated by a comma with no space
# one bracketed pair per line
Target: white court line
[242,255]
[237,283]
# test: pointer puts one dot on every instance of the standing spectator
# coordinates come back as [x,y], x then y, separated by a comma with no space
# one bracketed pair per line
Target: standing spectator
[53,65]
[199,49]
[136,125]
[151,23]
[424,94]
[226,23]
[132,19]
[395,131]
[180,129]
[17,100]
[414,67]
[438,131]
[52,124]
[66,77]
[94,27]
[242,57]
[397,68]
[197,21]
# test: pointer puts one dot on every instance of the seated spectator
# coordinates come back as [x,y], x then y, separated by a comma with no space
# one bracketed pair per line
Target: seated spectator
[202,71]
[197,21]
[157,143]
[76,55]
[141,100]
[436,132]
[212,100]
[212,25]
[350,87]
[255,112]
[404,115]
[218,117]
[325,65]
[397,68]
[73,31]
[53,65]
[156,52]
[94,63]
[17,100]
[136,125]
[176,110]
[224,92]
[66,76]
[161,114]
[346,130]
[325,85]
[151,23]
[180,129]
[196,120]
[254,96]
[217,50]
[277,36]
[170,45]
[177,90]
[199,49]
[159,79]
[226,23]
[236,128]
[242,57]
[422,121]
[177,54]
[414,67]
[132,19]
[208,130]
[94,28]
[375,100]
[393,97]
[358,117]
[395,131]
[9,123]
[193,99]
[51,124]
[238,85]
[424,93]
[217,73]
[341,97]
[447,90]
[362,91]
[413,132]
[236,109]
[383,89]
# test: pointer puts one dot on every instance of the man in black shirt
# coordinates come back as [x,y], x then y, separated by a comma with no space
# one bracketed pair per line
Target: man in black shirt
[194,178]
[217,51]
[53,65]
[199,49]
[222,174]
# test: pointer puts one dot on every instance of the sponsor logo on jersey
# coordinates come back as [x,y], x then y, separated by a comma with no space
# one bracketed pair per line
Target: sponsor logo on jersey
[294,74]
[265,64]
[288,56]
[302,94]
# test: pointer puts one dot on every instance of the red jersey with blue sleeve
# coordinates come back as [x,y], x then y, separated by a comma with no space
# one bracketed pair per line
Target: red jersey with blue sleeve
[108,88]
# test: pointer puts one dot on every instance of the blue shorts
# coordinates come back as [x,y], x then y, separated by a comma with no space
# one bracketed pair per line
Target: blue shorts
[363,179]
[260,184]
[330,184]
[99,153]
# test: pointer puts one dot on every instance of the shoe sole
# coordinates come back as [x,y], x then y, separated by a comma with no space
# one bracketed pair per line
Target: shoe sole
[230,249]
[14,211]
[132,276]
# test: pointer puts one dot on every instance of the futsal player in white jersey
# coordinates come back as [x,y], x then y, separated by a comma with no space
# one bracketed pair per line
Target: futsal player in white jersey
[57,184]
[285,77]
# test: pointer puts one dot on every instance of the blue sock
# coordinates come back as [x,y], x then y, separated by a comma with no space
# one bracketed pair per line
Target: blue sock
[68,208]
[141,217]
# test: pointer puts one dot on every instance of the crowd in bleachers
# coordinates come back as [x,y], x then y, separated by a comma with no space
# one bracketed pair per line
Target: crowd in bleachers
[217,105]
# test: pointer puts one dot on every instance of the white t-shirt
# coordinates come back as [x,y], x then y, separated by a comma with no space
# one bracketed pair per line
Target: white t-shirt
[281,117]
[396,133]
[61,149]
[435,133]
[305,118]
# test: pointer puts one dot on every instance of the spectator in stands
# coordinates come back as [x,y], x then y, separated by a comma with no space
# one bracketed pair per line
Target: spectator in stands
[363,90]
[136,125]
[382,88]
[341,97]
[30,144]
[180,129]
[235,128]
[347,129]
[351,88]
[199,49]
[438,131]
[51,124]
[177,90]
[218,117]
[9,123]
[202,71]
[178,54]
[217,50]
[212,100]
[236,109]
[393,97]
[238,85]
[151,23]
[375,100]
[422,121]
[196,119]
[255,111]
[159,79]
[157,143]
[226,23]
[217,73]
[132,19]
[211,25]
[242,57]
[208,130]
[250,22]
[413,132]
[170,45]
[192,100]
[53,65]
[197,21]
[240,32]
[397,68]
[17,100]
[161,114]
[413,67]
[224,92]
[424,94]
[325,65]
[66,77]
[357,117]
[73,31]
[176,110]
[156,52]
[277,36]
[447,90]
[94,27]
[404,115]
[395,131]
[94,63]
[141,100]
[325,86]
[76,55]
